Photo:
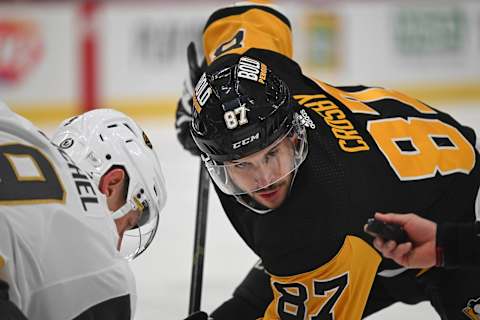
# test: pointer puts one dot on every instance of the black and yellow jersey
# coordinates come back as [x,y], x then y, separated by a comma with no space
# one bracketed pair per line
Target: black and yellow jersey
[371,150]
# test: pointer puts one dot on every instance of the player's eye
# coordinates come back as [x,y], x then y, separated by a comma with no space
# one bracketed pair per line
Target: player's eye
[242,165]
[272,153]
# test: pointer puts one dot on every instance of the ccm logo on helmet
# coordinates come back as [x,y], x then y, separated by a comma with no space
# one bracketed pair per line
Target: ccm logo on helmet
[246,141]
[251,69]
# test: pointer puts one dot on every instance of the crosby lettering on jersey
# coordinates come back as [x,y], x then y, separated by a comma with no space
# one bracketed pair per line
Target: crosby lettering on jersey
[349,139]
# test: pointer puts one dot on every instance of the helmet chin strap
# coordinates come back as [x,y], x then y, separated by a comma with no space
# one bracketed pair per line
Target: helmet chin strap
[122,211]
[134,204]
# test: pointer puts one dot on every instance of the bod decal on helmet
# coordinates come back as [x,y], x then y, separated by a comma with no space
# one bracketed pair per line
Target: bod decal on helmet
[202,93]
[252,69]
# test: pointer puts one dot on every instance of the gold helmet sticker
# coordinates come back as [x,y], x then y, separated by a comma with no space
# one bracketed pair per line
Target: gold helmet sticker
[146,140]
[472,310]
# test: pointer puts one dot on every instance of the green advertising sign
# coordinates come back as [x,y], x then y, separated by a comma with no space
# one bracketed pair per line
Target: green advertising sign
[429,31]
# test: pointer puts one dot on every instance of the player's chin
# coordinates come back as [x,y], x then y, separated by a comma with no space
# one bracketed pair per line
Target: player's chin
[272,198]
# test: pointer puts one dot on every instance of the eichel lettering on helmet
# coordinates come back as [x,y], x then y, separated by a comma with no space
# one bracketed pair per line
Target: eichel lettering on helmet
[85,189]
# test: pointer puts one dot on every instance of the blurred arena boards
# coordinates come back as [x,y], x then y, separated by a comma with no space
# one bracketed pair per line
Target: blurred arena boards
[58,58]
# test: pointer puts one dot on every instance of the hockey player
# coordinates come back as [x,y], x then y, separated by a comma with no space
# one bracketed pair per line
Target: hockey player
[300,165]
[65,211]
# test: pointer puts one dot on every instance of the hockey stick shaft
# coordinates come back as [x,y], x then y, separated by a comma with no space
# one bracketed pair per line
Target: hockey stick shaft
[199,241]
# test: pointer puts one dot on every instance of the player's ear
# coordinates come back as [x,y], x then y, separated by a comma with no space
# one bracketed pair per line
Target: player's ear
[293,137]
[112,182]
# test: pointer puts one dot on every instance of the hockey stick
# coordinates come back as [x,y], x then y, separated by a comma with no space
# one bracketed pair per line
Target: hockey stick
[199,240]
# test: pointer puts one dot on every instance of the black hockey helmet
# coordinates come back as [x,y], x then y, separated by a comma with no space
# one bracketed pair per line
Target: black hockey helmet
[240,107]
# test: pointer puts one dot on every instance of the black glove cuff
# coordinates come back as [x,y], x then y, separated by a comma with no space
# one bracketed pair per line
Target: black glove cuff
[458,241]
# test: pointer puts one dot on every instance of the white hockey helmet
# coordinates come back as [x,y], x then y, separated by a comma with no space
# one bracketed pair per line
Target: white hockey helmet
[102,138]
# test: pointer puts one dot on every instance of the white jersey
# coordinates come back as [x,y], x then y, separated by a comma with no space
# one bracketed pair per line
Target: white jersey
[57,240]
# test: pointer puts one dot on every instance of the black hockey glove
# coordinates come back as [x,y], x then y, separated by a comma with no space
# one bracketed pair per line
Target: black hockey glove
[199,315]
[183,116]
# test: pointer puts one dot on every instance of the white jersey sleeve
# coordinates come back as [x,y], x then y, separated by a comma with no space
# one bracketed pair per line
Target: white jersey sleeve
[477,202]
[57,240]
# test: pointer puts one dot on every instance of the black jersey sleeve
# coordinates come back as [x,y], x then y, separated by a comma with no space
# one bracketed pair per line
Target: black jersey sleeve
[8,310]
[460,243]
[113,309]
[250,299]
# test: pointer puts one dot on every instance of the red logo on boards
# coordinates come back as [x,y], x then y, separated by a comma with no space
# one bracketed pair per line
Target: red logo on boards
[21,49]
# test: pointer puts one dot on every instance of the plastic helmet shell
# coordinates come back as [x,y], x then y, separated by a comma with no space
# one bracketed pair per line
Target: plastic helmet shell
[240,107]
[102,138]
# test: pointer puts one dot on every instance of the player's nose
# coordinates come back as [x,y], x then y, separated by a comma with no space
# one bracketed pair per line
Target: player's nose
[263,176]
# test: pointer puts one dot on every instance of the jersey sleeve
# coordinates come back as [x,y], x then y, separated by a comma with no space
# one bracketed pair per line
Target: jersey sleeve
[250,299]
[238,28]
[338,289]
